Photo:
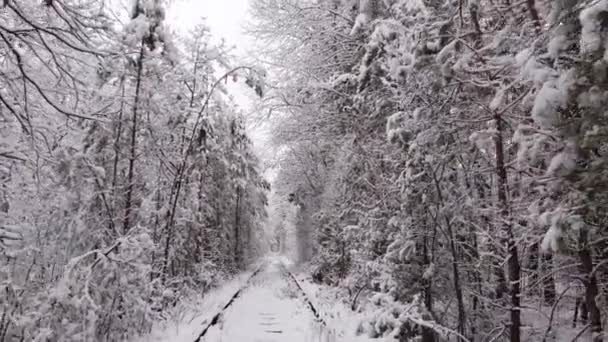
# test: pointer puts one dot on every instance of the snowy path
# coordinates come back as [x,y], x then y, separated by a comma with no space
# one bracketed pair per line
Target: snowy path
[270,309]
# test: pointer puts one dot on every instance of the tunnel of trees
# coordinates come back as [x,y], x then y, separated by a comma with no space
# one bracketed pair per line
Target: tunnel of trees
[446,158]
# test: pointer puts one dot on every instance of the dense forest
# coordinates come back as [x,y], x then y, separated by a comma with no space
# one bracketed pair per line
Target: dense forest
[127,179]
[443,162]
[450,154]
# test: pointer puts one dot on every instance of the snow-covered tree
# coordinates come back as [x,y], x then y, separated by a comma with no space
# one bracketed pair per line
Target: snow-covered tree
[118,141]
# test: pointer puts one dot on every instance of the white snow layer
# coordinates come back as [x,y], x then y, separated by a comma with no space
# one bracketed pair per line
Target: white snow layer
[552,97]
[270,309]
[592,37]
[187,323]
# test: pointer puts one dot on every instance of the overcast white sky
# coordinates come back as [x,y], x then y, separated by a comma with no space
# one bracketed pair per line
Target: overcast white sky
[225,17]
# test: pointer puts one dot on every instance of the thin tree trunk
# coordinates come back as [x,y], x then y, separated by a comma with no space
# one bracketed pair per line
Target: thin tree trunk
[477,279]
[132,156]
[591,288]
[427,334]
[155,238]
[343,260]
[457,285]
[117,152]
[513,256]
[548,282]
[201,244]
[533,271]
[237,228]
[118,135]
[169,226]
[455,269]
[533,13]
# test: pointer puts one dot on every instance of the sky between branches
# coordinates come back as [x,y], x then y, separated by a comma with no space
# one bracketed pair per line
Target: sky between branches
[226,19]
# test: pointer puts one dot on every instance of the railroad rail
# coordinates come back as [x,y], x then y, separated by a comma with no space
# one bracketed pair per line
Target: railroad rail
[290,280]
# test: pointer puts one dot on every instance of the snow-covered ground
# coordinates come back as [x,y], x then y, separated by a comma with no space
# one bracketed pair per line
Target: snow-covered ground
[348,325]
[270,308]
[329,301]
[189,321]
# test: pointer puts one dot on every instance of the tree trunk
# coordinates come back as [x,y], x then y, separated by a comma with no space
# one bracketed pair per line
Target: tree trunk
[457,285]
[533,13]
[513,266]
[237,228]
[477,280]
[455,269]
[155,238]
[132,156]
[427,334]
[202,244]
[591,288]
[169,226]
[117,149]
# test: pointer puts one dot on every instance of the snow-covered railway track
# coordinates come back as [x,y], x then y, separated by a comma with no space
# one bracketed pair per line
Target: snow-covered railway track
[271,307]
[292,278]
[216,318]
